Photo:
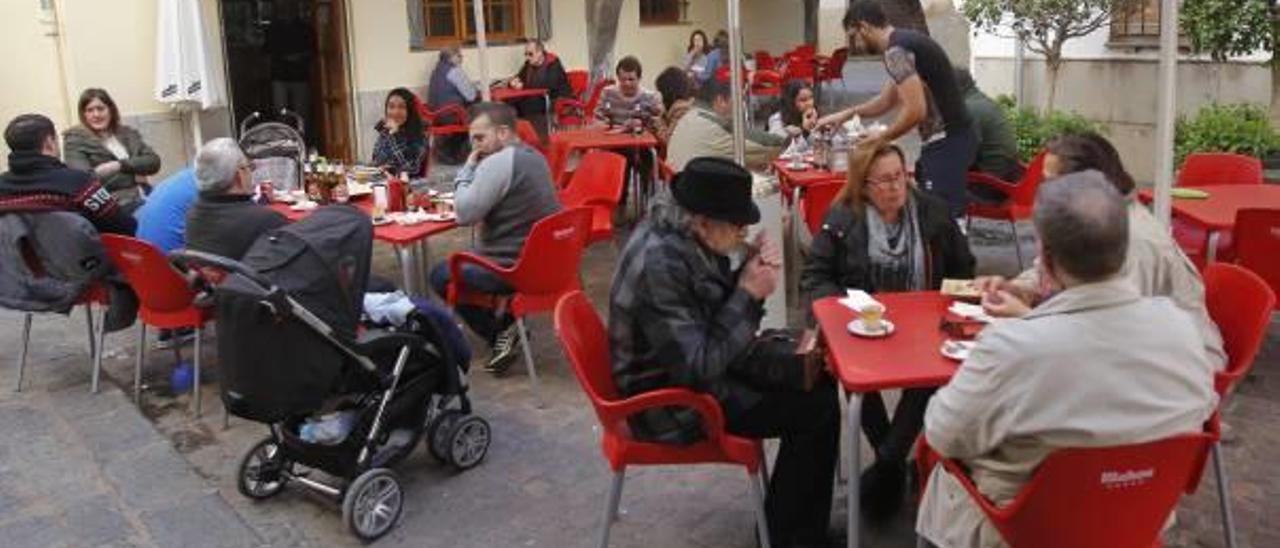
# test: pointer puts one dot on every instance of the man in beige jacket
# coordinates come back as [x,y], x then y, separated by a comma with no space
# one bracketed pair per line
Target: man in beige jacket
[1093,365]
[707,130]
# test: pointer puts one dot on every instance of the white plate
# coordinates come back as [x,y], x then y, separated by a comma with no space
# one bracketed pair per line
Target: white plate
[957,350]
[304,206]
[860,330]
[439,217]
[797,167]
[381,221]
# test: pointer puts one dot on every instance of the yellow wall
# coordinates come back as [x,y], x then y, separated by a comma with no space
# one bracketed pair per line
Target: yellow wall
[29,80]
[775,26]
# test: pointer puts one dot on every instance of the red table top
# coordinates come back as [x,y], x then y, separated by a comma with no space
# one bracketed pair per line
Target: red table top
[790,179]
[1218,211]
[564,142]
[508,94]
[909,358]
[393,233]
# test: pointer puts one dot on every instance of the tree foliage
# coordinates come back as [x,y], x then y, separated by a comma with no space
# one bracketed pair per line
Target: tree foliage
[1043,25]
[1229,28]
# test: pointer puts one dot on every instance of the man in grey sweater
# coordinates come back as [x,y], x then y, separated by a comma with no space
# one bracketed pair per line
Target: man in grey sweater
[505,187]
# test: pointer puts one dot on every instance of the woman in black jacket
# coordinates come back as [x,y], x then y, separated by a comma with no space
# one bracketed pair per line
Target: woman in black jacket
[115,152]
[882,235]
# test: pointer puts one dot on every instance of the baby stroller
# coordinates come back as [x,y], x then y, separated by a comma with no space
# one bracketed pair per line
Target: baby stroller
[290,347]
[277,149]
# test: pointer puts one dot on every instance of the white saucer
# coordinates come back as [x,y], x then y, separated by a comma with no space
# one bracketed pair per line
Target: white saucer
[957,350]
[860,330]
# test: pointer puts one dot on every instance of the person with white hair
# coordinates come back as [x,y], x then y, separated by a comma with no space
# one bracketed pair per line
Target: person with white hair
[224,220]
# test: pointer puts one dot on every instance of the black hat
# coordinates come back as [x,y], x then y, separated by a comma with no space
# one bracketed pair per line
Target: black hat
[717,188]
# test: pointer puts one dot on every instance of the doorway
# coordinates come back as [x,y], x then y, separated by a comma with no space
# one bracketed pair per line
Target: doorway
[292,54]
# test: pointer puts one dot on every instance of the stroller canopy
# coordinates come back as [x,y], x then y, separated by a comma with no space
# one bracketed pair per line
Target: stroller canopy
[322,262]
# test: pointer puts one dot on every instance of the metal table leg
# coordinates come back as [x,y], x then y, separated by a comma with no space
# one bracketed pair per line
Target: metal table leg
[407,266]
[1211,252]
[853,437]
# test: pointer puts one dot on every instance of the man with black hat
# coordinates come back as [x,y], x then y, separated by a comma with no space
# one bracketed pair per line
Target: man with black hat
[679,315]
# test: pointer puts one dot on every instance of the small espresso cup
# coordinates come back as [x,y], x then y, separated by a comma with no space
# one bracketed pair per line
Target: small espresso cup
[872,316]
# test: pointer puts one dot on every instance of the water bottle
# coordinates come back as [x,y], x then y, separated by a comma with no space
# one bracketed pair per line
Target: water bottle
[329,429]
[182,378]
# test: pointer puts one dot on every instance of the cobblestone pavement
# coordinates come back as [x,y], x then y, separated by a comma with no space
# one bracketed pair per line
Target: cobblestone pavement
[82,470]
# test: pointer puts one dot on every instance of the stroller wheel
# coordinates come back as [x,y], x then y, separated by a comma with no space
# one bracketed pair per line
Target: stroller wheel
[373,504]
[438,434]
[262,469]
[468,442]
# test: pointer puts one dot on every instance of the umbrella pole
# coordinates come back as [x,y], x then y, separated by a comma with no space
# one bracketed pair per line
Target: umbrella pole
[735,82]
[482,48]
[1166,107]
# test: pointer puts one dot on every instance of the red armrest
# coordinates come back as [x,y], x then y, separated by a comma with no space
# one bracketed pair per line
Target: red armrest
[455,272]
[706,406]
[991,181]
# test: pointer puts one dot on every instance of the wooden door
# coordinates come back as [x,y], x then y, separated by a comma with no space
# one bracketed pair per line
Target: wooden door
[332,70]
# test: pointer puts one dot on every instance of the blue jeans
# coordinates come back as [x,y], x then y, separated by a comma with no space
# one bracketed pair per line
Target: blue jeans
[481,320]
[944,165]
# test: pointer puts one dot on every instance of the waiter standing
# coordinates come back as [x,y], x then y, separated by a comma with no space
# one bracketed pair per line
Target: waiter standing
[923,84]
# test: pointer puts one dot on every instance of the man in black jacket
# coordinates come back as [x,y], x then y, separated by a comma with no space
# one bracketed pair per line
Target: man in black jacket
[224,220]
[541,70]
[38,181]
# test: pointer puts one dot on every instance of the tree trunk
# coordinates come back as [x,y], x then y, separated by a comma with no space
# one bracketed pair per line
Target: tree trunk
[1051,91]
[602,35]
[907,14]
[811,21]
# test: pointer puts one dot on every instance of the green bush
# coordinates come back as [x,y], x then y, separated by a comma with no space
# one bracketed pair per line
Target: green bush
[1033,129]
[1242,128]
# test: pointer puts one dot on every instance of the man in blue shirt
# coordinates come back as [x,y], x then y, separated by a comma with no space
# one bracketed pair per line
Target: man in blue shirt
[162,220]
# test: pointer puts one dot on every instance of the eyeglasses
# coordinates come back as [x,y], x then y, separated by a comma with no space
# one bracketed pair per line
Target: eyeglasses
[896,180]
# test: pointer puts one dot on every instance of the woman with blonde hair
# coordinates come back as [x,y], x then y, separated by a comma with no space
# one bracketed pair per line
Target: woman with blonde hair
[882,234]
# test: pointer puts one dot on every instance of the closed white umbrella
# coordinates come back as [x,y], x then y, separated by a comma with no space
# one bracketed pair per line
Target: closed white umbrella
[1167,103]
[482,48]
[186,77]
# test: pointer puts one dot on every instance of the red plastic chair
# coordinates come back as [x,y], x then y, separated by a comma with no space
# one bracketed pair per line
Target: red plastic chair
[1078,496]
[832,68]
[455,114]
[572,112]
[1212,168]
[764,61]
[597,184]
[815,201]
[1240,303]
[1018,205]
[1219,168]
[1257,237]
[93,294]
[586,344]
[578,80]
[546,269]
[527,133]
[165,301]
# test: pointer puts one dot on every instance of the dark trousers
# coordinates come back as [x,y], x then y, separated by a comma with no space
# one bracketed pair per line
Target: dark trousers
[483,321]
[798,502]
[943,167]
[894,439]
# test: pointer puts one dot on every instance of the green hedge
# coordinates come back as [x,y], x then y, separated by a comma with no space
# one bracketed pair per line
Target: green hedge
[1242,128]
[1033,129]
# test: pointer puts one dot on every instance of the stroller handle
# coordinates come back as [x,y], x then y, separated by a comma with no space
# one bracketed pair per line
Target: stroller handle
[185,259]
[284,116]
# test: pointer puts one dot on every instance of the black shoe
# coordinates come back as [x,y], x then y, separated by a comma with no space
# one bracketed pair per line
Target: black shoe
[504,350]
[168,338]
[882,490]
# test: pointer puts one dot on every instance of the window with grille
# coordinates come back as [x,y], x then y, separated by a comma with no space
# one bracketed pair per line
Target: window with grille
[453,21]
[661,12]
[1137,19]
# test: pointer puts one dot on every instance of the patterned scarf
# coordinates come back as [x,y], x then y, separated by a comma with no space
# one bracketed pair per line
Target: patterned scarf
[895,250]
